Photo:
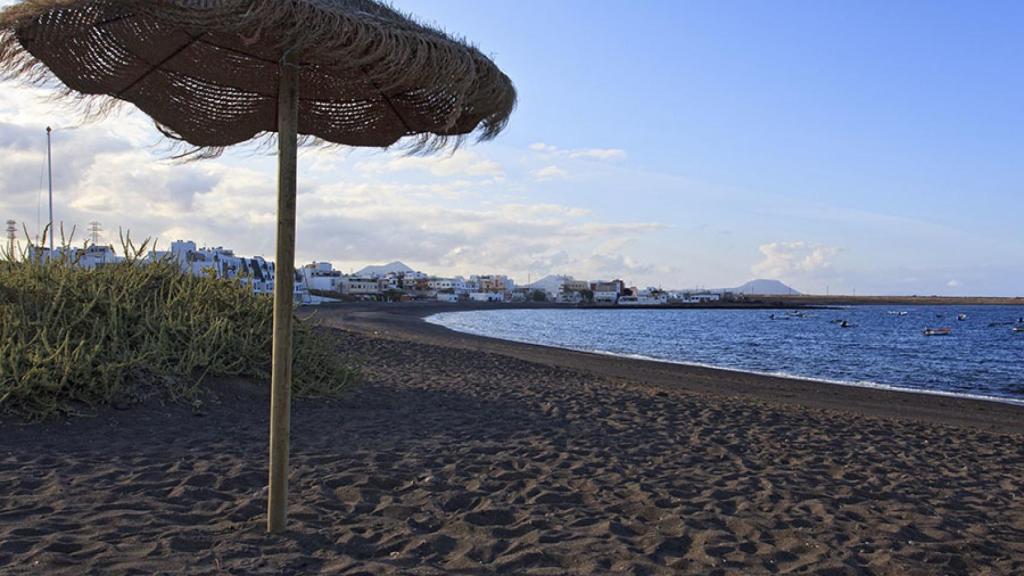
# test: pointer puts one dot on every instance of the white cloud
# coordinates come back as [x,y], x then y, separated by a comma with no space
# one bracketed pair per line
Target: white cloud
[607,266]
[599,153]
[34,108]
[446,226]
[373,223]
[131,180]
[549,173]
[462,162]
[789,259]
[549,150]
[451,214]
[542,147]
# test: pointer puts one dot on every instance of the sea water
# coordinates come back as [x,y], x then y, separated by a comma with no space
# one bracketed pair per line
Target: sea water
[882,346]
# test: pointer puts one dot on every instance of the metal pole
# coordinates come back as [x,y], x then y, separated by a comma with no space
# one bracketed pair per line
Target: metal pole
[49,178]
[284,287]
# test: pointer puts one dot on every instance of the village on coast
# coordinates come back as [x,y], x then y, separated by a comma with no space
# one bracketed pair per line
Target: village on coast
[319,282]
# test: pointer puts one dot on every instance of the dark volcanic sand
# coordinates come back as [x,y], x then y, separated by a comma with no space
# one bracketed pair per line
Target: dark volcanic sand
[465,455]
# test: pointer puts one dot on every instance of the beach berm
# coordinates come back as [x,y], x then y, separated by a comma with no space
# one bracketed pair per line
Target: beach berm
[461,455]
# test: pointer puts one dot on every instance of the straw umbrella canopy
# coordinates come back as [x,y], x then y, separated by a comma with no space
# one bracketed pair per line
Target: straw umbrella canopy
[214,73]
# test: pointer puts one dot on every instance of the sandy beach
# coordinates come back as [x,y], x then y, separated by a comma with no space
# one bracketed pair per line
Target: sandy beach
[466,455]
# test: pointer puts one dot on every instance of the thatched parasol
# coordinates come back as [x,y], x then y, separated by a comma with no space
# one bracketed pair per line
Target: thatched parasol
[213,73]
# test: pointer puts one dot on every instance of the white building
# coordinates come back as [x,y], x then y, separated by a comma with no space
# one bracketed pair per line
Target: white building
[702,298]
[696,297]
[321,276]
[642,299]
[568,297]
[608,292]
[94,256]
[91,257]
[493,283]
[223,263]
[415,275]
[362,286]
[456,285]
[486,297]
[441,284]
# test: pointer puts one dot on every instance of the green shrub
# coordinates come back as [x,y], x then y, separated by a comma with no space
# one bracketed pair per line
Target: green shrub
[71,337]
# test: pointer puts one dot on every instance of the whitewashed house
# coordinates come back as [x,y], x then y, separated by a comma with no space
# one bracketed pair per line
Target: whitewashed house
[608,292]
[696,297]
[648,297]
[486,297]
[570,290]
[94,256]
[704,298]
[223,263]
[441,284]
[91,257]
[321,276]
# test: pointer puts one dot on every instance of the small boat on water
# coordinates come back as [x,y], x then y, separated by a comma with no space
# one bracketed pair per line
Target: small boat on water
[1018,328]
[938,331]
[961,317]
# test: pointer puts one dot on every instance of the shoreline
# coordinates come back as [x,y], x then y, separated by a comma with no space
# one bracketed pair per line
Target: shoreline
[825,381]
[820,300]
[459,454]
[408,321]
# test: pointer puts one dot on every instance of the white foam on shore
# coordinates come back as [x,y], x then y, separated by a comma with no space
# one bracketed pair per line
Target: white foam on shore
[790,376]
[778,374]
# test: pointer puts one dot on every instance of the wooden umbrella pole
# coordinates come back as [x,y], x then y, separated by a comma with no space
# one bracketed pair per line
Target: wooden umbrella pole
[284,288]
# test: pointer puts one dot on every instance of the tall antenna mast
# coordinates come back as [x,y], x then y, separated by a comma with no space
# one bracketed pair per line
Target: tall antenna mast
[49,172]
[94,232]
[12,235]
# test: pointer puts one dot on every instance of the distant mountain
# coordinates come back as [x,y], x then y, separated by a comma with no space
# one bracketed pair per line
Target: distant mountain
[763,287]
[381,270]
[551,284]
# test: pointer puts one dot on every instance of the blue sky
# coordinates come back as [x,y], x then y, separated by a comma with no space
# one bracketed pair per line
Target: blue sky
[868,146]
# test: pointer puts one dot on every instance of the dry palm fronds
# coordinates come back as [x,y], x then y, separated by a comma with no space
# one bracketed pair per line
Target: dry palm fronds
[206,70]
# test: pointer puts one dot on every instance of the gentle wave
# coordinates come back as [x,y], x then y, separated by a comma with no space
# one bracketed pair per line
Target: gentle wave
[790,376]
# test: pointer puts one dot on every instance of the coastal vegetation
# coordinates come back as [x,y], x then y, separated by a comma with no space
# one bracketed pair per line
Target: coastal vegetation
[73,339]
